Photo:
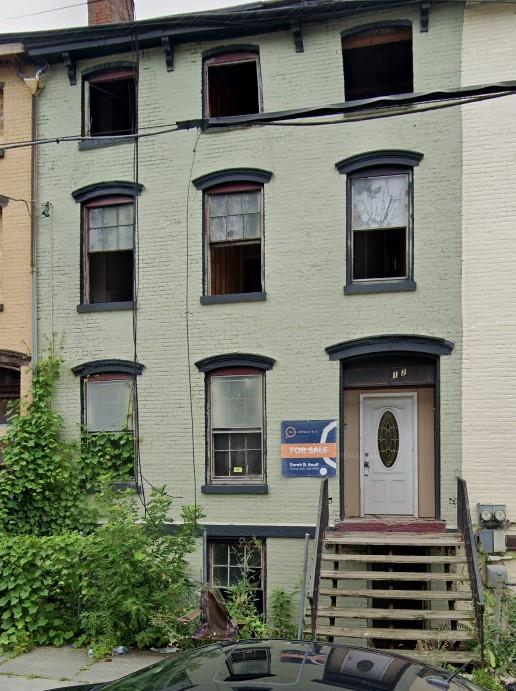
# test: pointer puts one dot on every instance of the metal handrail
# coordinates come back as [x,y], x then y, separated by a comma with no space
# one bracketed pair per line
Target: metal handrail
[323,518]
[466,527]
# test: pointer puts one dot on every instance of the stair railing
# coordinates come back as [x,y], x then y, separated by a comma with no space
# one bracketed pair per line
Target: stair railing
[323,518]
[466,527]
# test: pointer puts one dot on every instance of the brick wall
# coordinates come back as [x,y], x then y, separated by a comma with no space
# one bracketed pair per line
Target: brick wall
[305,257]
[489,251]
[15,228]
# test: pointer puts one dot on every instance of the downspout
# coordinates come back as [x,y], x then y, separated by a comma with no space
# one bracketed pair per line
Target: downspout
[33,238]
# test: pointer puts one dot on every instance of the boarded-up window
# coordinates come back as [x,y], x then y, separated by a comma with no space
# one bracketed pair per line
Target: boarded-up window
[378,62]
[236,422]
[234,240]
[232,85]
[109,252]
[108,403]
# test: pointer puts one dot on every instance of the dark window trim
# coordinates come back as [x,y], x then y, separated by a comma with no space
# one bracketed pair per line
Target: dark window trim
[105,306]
[214,362]
[98,142]
[107,189]
[380,157]
[98,70]
[257,530]
[255,488]
[428,345]
[372,26]
[12,359]
[233,297]
[228,49]
[90,74]
[395,285]
[86,369]
[222,177]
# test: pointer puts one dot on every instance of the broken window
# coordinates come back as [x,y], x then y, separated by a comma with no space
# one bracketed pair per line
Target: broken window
[378,62]
[9,394]
[232,85]
[110,104]
[234,239]
[231,561]
[236,424]
[108,402]
[380,224]
[109,250]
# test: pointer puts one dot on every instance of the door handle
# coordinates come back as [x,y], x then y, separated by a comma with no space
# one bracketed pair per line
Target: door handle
[366,468]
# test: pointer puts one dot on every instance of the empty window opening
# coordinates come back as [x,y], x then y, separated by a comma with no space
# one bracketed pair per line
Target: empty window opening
[232,561]
[232,86]
[236,418]
[379,226]
[111,105]
[108,403]
[109,255]
[378,63]
[9,394]
[1,109]
[235,242]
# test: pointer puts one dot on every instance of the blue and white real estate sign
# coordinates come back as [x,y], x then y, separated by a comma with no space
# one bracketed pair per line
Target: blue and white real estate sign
[309,448]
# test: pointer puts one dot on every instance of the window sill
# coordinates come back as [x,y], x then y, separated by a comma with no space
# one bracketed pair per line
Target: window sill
[233,297]
[235,489]
[105,307]
[404,285]
[101,142]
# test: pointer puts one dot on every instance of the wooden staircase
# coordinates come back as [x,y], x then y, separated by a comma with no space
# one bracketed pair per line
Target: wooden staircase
[411,592]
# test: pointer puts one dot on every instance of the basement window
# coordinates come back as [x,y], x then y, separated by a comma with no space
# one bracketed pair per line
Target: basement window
[234,218]
[380,228]
[110,104]
[9,394]
[108,255]
[232,85]
[108,402]
[231,561]
[378,62]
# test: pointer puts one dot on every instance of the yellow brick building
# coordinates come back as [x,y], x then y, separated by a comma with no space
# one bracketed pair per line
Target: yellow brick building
[16,214]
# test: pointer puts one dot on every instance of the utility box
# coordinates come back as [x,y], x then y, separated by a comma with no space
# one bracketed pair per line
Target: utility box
[492,519]
[492,540]
[496,575]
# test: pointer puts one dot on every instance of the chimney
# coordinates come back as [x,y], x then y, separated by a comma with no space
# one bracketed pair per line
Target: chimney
[110,11]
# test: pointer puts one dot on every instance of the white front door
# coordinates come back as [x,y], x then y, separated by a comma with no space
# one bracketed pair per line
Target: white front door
[388,450]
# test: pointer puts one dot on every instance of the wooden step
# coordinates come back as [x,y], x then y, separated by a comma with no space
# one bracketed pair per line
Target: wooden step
[404,614]
[393,576]
[385,539]
[394,634]
[393,558]
[436,657]
[398,594]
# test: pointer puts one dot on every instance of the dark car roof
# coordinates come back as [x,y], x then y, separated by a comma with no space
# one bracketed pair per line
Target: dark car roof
[271,665]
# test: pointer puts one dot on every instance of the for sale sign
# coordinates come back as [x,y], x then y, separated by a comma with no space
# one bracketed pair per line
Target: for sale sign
[309,448]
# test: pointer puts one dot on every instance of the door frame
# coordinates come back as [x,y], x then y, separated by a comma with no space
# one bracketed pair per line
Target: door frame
[408,394]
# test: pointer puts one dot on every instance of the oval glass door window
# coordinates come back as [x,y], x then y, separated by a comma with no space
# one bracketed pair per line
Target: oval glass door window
[388,439]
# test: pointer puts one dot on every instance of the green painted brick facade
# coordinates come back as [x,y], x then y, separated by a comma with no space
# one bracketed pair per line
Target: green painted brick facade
[305,256]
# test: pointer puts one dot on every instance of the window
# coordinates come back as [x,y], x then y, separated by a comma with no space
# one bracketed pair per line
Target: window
[108,402]
[236,425]
[234,219]
[110,103]
[232,84]
[230,560]
[9,394]
[108,254]
[379,224]
[377,62]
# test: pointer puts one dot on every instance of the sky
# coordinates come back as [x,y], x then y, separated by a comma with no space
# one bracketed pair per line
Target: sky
[33,15]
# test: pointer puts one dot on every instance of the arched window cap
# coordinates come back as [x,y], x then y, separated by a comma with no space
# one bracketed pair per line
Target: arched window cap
[227,50]
[373,26]
[101,366]
[427,345]
[97,70]
[215,362]
[107,189]
[222,177]
[12,358]
[383,157]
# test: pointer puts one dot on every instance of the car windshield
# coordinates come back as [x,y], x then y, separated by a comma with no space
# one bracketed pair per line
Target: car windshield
[271,665]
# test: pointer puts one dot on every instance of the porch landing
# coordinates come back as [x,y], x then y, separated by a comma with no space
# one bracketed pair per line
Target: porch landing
[390,524]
